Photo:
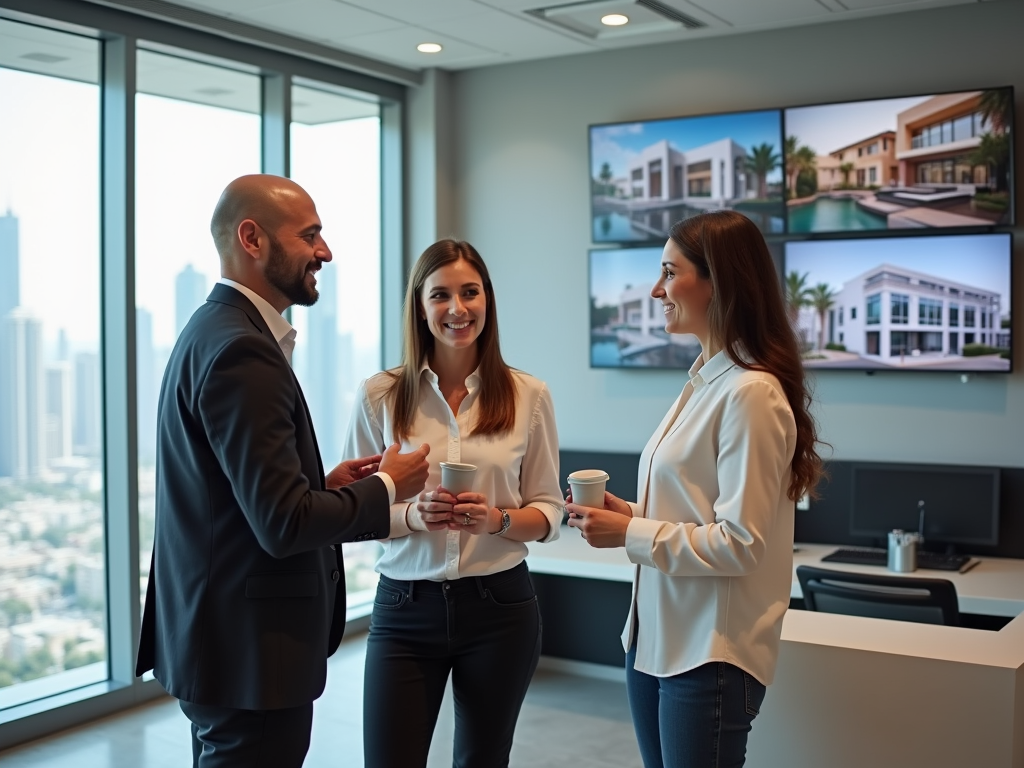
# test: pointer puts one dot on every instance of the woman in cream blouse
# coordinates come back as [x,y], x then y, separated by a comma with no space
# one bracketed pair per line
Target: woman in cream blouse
[454,595]
[712,531]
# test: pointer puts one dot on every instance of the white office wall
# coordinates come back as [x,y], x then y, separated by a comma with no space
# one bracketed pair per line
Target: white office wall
[521,196]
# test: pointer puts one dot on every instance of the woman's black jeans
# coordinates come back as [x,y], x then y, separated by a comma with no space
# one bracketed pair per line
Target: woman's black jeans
[485,631]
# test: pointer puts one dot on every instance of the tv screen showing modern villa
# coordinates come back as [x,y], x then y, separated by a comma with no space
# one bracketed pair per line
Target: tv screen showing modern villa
[931,161]
[627,325]
[645,176]
[925,303]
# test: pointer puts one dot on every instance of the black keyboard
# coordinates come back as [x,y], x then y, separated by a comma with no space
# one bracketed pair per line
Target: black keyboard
[934,561]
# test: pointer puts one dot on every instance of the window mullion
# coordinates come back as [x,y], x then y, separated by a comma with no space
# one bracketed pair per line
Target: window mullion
[118,348]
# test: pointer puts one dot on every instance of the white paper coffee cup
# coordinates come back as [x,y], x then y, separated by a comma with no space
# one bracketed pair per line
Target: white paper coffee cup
[457,478]
[587,486]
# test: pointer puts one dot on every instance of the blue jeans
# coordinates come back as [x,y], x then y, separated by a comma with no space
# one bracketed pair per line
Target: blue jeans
[698,719]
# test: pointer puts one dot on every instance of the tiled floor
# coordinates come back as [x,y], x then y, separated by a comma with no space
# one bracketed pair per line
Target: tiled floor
[566,721]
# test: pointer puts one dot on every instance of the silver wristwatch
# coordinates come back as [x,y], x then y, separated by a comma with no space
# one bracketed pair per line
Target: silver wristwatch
[506,521]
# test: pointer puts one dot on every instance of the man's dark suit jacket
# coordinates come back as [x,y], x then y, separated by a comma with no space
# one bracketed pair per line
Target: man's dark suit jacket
[246,596]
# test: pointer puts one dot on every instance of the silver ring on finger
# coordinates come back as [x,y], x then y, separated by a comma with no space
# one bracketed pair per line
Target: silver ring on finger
[468,520]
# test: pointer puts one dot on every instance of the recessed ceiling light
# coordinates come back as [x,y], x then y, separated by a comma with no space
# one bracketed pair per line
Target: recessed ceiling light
[614,20]
[429,48]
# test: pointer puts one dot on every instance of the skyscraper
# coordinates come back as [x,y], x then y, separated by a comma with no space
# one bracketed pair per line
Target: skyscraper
[58,411]
[189,295]
[321,387]
[86,432]
[22,391]
[145,385]
[9,268]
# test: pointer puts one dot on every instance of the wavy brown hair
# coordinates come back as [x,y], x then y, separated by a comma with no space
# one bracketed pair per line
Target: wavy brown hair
[747,316]
[497,386]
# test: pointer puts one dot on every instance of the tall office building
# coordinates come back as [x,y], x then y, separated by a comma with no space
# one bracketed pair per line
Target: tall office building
[9,266]
[145,385]
[321,385]
[189,295]
[58,411]
[22,394]
[86,431]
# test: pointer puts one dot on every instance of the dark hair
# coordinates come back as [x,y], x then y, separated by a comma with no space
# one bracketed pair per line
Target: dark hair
[747,316]
[497,386]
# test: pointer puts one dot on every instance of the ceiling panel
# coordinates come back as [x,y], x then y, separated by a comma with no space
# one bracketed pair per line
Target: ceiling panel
[419,12]
[744,13]
[482,32]
[399,47]
[322,20]
[518,37]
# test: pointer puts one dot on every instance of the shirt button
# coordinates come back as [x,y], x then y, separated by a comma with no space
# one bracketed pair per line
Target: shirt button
[335,575]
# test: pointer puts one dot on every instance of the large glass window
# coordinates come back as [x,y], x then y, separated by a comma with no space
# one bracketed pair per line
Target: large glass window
[929,311]
[335,156]
[52,571]
[197,128]
[899,309]
[873,309]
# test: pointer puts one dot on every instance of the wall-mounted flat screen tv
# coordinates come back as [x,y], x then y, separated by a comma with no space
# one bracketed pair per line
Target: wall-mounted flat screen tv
[918,303]
[627,325]
[926,162]
[645,176]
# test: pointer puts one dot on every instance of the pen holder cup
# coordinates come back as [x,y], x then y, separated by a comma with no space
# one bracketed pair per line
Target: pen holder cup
[902,552]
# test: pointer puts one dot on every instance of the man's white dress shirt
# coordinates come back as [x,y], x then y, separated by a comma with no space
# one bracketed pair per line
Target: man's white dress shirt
[712,531]
[514,470]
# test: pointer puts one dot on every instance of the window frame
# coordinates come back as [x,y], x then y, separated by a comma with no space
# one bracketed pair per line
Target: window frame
[119,33]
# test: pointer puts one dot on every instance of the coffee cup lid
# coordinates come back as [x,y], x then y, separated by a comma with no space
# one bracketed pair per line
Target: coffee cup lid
[458,467]
[589,476]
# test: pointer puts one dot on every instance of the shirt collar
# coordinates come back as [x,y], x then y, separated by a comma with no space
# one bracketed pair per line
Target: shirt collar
[471,381]
[702,374]
[275,320]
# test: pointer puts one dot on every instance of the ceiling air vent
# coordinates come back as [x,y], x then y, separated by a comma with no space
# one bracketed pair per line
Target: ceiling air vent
[645,17]
[671,13]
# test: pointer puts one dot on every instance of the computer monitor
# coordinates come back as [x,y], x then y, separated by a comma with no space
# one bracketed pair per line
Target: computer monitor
[961,504]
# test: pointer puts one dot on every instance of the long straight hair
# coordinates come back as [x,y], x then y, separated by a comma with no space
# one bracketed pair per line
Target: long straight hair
[747,316]
[497,411]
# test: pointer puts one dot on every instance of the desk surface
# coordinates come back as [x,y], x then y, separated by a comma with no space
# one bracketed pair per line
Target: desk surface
[994,587]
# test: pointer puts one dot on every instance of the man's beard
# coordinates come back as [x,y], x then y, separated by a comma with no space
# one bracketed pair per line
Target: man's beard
[279,275]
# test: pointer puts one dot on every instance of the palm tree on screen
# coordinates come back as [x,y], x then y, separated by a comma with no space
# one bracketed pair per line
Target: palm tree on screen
[996,107]
[796,295]
[799,159]
[822,298]
[761,161]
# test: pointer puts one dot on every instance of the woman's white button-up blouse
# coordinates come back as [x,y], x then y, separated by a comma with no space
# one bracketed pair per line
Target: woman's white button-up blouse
[515,470]
[712,532]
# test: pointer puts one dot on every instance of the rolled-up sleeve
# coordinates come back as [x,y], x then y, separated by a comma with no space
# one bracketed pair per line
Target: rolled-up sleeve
[538,478]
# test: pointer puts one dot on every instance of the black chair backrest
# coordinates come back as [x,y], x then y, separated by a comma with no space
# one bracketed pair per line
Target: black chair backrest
[904,598]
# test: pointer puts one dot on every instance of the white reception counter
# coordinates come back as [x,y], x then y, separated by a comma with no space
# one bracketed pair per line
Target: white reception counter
[853,692]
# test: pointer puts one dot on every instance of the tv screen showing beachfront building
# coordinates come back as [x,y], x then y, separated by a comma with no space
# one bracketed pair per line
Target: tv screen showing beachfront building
[645,176]
[627,325]
[928,303]
[932,161]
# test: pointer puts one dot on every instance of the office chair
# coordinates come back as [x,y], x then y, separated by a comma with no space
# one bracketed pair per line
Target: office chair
[928,601]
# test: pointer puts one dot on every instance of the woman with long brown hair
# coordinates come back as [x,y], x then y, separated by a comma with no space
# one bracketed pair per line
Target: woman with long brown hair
[455,596]
[712,532]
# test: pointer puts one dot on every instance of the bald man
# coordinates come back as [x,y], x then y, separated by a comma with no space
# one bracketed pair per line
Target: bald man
[246,596]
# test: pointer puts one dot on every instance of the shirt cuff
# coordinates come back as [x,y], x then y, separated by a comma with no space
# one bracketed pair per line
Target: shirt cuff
[640,535]
[391,490]
[399,522]
[553,515]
